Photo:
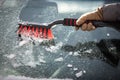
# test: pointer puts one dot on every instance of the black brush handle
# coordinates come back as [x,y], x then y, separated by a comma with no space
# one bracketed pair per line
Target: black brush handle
[96,23]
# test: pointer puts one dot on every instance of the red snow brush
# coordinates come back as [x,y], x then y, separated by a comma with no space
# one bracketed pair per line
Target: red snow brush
[39,31]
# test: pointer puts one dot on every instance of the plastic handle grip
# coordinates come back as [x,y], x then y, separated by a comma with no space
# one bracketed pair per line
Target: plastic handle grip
[69,22]
[114,24]
[96,23]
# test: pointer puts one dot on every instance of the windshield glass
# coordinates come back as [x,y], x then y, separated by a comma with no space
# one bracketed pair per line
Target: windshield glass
[72,55]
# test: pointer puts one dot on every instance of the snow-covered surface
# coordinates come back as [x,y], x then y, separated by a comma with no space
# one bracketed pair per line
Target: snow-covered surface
[72,56]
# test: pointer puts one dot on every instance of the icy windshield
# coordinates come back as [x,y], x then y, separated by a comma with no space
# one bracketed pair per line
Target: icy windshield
[72,55]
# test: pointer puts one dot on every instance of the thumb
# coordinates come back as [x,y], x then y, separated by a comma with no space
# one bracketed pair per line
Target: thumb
[94,15]
[81,20]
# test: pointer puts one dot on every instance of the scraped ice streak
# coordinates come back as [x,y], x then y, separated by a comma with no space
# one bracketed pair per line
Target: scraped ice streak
[67,37]
[29,61]
[12,77]
[55,48]
[27,58]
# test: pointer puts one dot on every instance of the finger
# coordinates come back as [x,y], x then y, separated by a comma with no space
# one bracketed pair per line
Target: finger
[84,27]
[89,27]
[77,28]
[93,28]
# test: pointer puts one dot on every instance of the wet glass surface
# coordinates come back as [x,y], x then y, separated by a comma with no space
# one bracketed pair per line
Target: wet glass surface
[72,54]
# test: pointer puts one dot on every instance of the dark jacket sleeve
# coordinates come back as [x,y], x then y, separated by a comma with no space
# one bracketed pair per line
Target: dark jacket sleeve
[111,12]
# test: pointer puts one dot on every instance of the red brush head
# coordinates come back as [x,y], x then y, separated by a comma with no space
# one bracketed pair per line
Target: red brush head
[37,32]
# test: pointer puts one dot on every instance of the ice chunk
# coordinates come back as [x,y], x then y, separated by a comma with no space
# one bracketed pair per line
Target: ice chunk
[79,74]
[54,49]
[76,53]
[11,56]
[51,49]
[70,53]
[69,65]
[42,61]
[59,59]
[84,71]
[89,51]
[108,34]
[23,42]
[31,63]
[75,69]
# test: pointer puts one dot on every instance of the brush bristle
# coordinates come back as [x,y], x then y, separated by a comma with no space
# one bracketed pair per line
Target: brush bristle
[35,32]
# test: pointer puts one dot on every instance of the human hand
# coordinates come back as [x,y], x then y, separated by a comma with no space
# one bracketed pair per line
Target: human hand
[95,15]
